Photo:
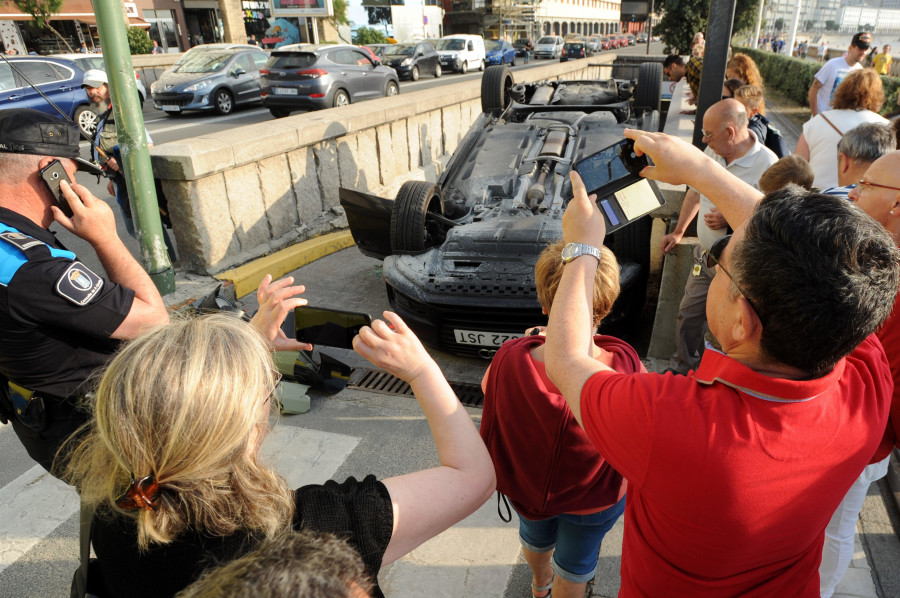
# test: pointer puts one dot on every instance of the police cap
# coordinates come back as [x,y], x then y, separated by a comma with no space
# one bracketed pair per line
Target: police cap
[29,131]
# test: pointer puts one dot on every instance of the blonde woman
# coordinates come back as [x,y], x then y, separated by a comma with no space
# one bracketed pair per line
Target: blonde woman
[172,463]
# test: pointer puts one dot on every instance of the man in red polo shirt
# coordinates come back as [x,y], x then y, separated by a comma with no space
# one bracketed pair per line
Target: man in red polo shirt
[735,470]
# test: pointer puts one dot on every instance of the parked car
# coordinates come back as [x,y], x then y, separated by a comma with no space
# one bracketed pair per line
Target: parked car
[311,77]
[641,38]
[459,254]
[87,62]
[60,80]
[210,79]
[622,40]
[573,50]
[499,52]
[461,52]
[520,45]
[413,60]
[549,46]
[630,38]
[606,43]
[593,44]
[378,49]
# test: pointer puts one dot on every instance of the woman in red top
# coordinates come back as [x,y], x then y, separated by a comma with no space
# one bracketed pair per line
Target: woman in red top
[566,494]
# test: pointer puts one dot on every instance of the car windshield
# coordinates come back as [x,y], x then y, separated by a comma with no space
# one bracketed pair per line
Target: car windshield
[452,44]
[491,44]
[399,50]
[522,42]
[204,62]
[291,60]
[574,46]
[547,40]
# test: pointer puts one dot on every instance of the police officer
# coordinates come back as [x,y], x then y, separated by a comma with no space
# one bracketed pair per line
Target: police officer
[59,321]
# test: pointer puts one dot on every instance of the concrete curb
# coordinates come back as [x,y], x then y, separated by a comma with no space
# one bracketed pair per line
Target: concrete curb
[246,278]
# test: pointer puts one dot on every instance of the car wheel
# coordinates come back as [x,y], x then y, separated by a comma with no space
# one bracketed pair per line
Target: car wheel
[437,70]
[495,85]
[481,66]
[411,229]
[223,102]
[648,94]
[414,74]
[513,61]
[87,120]
[340,98]
[464,68]
[391,89]
[279,112]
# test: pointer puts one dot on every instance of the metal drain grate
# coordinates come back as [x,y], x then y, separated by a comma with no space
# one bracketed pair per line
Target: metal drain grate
[380,381]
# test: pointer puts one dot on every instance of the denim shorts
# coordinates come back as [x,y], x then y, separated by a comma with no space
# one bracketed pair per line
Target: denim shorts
[576,538]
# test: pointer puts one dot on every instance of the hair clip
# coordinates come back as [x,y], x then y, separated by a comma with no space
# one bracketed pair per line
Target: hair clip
[140,495]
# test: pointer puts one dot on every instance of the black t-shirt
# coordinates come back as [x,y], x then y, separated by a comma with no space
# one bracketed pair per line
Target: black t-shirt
[56,316]
[358,511]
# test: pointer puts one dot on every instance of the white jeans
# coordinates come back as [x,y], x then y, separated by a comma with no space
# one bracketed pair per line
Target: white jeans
[838,549]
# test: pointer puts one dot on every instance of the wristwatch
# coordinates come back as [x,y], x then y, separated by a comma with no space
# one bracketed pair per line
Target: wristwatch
[573,250]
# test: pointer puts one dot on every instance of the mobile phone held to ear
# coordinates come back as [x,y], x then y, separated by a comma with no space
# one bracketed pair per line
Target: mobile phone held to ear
[328,327]
[53,174]
[613,174]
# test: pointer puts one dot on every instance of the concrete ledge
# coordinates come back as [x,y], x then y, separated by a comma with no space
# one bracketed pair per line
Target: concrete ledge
[676,268]
[246,278]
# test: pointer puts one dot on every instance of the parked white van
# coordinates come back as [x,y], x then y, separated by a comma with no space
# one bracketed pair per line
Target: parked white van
[549,46]
[461,52]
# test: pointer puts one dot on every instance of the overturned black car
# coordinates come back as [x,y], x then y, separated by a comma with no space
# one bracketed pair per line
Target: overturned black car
[459,254]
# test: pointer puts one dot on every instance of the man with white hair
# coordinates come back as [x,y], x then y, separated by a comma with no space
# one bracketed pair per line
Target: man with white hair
[734,146]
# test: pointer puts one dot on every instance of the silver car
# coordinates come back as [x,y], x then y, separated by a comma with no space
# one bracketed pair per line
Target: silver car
[549,46]
[213,78]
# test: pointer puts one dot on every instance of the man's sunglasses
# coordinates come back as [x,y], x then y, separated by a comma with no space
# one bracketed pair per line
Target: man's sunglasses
[712,260]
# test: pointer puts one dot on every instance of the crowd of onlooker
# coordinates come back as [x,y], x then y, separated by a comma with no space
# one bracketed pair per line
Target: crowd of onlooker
[740,470]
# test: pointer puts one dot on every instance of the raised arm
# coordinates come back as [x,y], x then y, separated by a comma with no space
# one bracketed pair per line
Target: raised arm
[679,163]
[429,501]
[93,221]
[567,352]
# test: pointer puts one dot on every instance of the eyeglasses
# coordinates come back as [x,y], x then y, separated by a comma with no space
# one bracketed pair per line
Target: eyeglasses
[863,184]
[708,134]
[275,385]
[712,260]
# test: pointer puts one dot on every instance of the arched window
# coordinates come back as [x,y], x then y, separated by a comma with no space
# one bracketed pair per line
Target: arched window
[547,28]
[565,29]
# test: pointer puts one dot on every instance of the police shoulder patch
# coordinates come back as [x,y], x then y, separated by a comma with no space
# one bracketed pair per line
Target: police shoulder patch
[20,240]
[78,284]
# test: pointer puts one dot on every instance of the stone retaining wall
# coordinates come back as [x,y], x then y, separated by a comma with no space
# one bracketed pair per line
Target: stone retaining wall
[240,194]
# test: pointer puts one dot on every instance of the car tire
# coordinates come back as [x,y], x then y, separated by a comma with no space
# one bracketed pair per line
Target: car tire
[464,68]
[648,94]
[414,74]
[411,229]
[391,89]
[223,102]
[340,98]
[279,112]
[481,66]
[437,70]
[513,61]
[87,119]
[495,85]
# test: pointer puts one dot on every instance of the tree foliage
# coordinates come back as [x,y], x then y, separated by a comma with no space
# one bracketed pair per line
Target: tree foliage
[340,12]
[683,18]
[366,36]
[138,41]
[41,11]
[379,15]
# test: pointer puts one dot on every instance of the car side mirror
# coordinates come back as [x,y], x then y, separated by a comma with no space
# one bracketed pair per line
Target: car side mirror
[238,72]
[420,53]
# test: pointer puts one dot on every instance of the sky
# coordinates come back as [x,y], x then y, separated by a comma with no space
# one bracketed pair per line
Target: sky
[359,17]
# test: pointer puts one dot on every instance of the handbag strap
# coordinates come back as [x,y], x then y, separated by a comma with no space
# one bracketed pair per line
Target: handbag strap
[839,132]
[79,584]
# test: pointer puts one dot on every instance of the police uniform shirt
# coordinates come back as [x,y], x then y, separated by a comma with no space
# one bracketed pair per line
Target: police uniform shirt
[56,315]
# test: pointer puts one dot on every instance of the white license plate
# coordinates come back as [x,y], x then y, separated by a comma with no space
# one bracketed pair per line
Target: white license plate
[484,339]
[171,108]
[285,91]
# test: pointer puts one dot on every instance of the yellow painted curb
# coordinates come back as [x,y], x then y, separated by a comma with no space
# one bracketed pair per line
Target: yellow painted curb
[246,278]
